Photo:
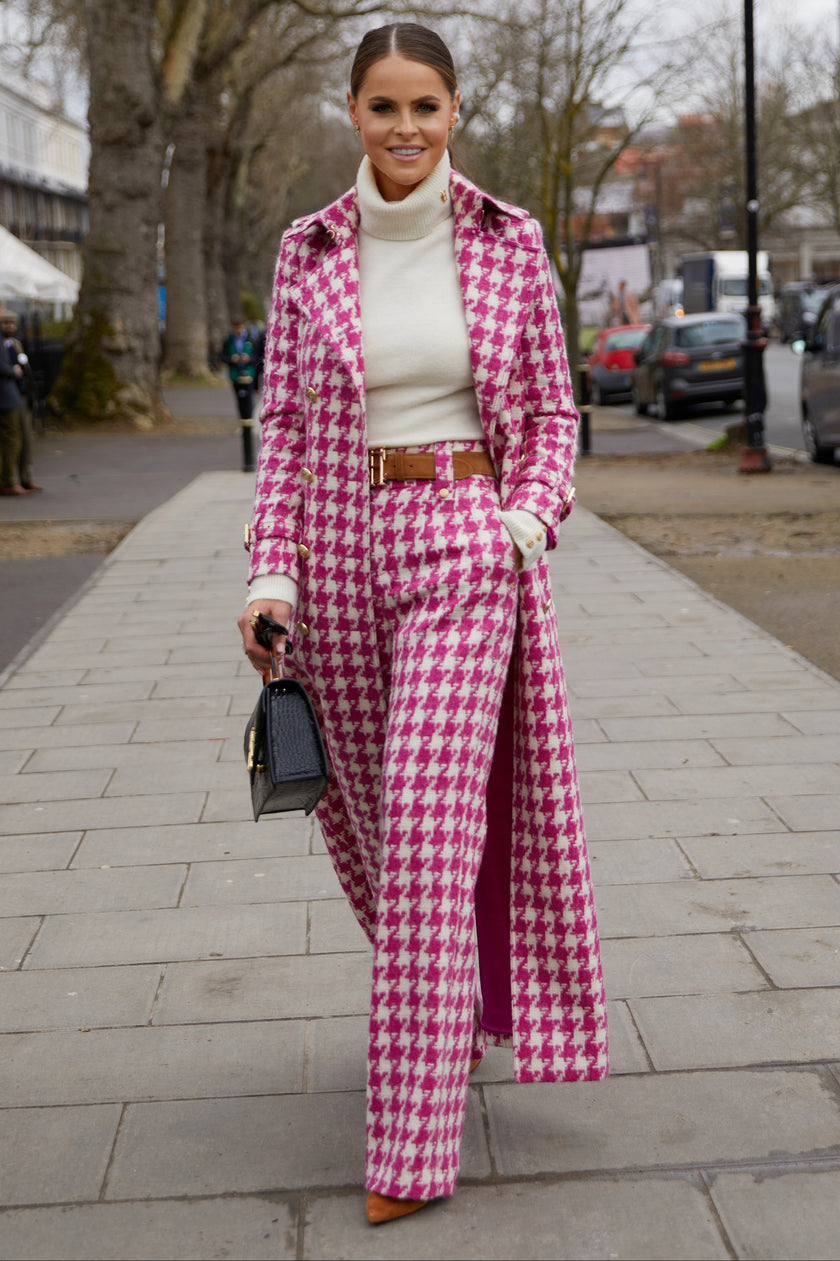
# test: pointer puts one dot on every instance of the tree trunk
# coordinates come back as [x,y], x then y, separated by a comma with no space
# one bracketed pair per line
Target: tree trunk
[571,330]
[216,298]
[231,252]
[110,367]
[186,347]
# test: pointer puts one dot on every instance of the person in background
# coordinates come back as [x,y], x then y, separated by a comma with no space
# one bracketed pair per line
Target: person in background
[15,356]
[624,308]
[15,420]
[240,354]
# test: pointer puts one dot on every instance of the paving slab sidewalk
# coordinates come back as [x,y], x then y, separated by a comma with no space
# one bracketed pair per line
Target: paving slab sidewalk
[183,992]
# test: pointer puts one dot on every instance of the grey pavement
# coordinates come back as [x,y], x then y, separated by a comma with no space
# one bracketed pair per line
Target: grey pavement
[184,992]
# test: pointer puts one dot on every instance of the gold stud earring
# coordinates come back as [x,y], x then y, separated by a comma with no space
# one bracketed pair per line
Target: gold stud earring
[357,129]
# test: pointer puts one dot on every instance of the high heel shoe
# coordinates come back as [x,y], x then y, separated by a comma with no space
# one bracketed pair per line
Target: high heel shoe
[385,1208]
[475,1063]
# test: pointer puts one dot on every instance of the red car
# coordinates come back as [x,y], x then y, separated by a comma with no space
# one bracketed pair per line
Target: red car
[611,361]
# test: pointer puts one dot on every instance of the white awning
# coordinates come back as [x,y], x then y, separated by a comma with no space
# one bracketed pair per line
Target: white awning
[25,275]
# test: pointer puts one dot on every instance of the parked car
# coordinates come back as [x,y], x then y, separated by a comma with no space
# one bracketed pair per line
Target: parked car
[820,382]
[611,361]
[689,359]
[797,308]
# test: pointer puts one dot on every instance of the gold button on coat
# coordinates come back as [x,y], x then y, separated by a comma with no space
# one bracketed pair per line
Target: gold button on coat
[311,394]
[307,474]
[303,629]
[444,493]
[303,551]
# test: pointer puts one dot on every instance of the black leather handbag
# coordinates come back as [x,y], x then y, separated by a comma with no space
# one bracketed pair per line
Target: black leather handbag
[284,752]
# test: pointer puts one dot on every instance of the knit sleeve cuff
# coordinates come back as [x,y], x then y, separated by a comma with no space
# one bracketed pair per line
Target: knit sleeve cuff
[273,587]
[528,533]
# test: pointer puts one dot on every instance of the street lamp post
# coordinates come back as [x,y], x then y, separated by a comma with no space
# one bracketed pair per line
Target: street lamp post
[755,458]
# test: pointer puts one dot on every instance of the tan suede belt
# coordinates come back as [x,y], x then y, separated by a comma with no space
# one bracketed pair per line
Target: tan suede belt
[402,466]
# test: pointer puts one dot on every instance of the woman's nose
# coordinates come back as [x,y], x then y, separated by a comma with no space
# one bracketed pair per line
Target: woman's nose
[406,125]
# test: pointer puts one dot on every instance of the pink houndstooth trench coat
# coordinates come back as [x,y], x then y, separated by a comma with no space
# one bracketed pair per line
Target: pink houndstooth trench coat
[311,520]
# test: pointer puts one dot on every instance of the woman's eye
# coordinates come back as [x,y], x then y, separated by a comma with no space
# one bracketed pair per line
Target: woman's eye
[382,108]
[427,107]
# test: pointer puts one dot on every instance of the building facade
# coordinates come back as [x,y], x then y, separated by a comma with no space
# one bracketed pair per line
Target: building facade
[43,173]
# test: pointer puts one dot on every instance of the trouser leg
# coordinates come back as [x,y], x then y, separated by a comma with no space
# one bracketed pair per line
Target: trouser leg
[9,447]
[25,455]
[446,574]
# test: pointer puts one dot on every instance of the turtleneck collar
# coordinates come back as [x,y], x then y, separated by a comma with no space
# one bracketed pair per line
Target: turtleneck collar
[415,216]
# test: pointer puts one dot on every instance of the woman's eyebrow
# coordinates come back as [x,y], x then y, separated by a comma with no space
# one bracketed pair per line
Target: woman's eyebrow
[430,96]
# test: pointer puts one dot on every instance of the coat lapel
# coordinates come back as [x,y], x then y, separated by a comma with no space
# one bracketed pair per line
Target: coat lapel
[329,291]
[498,270]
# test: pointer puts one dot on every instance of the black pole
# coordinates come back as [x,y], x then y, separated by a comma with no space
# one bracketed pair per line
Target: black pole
[755,458]
[248,465]
[584,409]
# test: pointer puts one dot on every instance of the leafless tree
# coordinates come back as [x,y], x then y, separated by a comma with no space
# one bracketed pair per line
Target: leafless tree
[816,130]
[703,173]
[563,96]
[145,59]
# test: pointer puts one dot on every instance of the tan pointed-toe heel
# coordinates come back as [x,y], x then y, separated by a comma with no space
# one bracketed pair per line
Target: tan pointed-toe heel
[385,1208]
[475,1063]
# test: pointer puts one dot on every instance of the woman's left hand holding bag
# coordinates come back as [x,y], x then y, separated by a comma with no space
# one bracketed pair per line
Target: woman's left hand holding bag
[258,656]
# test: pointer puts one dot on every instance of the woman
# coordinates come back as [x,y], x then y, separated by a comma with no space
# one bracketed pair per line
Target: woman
[418,442]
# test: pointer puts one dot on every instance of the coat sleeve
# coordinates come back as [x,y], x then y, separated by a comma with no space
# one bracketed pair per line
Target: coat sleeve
[278,505]
[549,443]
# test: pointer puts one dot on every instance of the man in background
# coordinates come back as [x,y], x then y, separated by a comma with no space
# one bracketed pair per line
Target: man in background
[17,427]
[240,354]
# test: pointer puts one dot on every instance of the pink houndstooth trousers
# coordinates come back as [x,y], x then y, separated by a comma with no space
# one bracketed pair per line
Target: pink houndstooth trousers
[445,593]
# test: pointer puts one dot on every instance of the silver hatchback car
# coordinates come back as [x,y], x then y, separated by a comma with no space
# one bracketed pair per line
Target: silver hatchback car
[820,382]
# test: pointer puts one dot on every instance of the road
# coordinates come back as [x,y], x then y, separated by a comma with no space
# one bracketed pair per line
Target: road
[781,420]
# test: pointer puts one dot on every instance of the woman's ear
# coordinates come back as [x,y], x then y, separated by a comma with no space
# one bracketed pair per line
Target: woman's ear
[352,110]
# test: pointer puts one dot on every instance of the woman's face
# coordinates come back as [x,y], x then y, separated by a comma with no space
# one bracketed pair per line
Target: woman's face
[404,112]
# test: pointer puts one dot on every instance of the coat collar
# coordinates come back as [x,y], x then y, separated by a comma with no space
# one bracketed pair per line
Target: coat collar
[471,205]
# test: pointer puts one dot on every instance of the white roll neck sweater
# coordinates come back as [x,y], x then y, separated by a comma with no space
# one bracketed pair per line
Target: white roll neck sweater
[419,386]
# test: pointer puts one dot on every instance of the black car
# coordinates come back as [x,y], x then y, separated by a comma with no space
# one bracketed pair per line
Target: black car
[820,382]
[797,308]
[688,359]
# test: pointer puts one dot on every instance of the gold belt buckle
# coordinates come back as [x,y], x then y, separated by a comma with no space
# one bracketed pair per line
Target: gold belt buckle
[376,464]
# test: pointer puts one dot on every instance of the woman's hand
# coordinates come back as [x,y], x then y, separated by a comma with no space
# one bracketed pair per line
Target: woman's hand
[256,654]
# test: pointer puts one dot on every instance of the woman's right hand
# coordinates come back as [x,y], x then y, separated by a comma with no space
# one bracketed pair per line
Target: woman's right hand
[256,654]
